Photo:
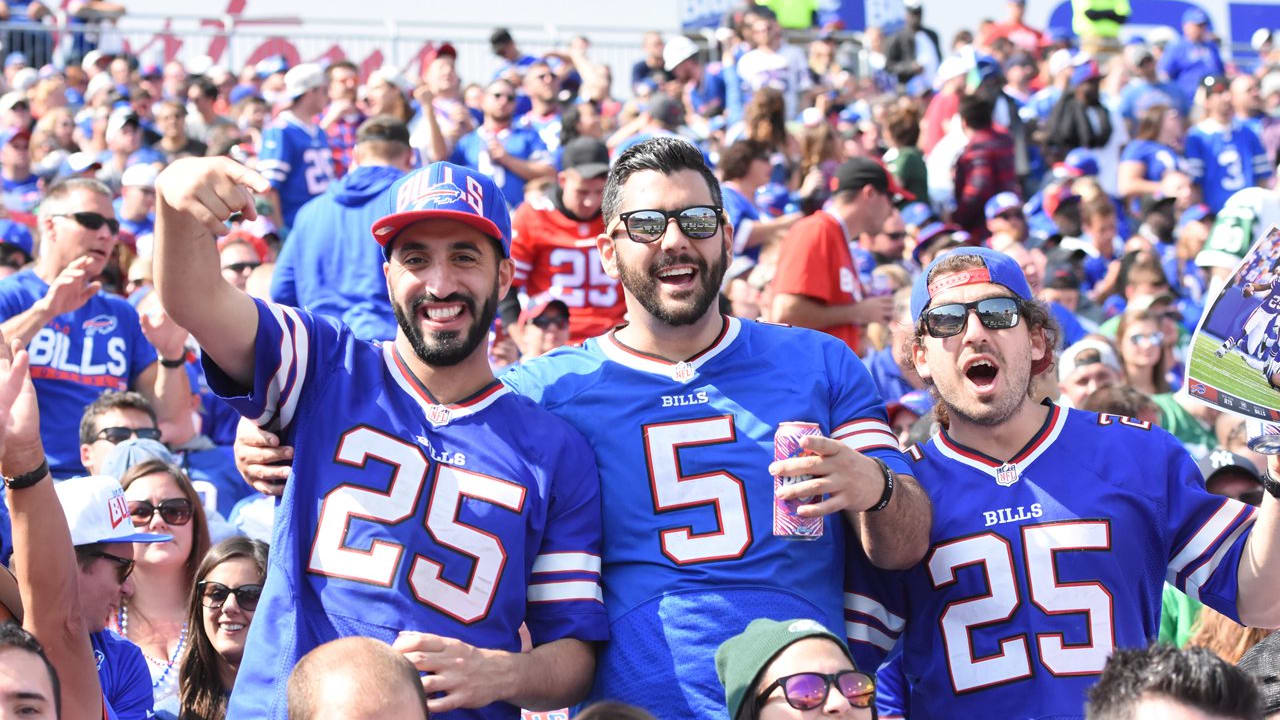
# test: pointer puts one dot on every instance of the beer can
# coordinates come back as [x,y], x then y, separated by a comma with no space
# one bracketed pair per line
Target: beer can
[1263,436]
[786,523]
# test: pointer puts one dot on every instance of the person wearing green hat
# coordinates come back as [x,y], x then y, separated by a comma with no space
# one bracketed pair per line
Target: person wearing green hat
[783,668]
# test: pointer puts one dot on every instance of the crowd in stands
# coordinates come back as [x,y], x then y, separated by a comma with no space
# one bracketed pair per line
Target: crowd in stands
[1128,182]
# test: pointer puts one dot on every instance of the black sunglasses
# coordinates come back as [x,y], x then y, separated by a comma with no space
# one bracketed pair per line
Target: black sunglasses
[995,313]
[117,435]
[124,566]
[699,222]
[174,511]
[93,220]
[543,322]
[240,267]
[809,690]
[214,595]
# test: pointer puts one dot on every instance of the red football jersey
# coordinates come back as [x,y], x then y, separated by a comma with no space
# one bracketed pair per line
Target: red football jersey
[556,256]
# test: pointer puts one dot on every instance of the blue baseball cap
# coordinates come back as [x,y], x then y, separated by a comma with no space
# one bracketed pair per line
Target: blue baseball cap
[445,191]
[999,269]
[1196,212]
[17,235]
[1195,16]
[773,198]
[919,402]
[918,214]
[1083,69]
[1081,162]
[15,58]
[1000,202]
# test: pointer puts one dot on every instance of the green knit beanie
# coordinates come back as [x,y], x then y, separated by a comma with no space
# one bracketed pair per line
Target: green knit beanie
[741,658]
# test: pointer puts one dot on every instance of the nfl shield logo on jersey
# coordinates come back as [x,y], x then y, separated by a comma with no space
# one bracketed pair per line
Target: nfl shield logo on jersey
[682,372]
[438,415]
[1006,475]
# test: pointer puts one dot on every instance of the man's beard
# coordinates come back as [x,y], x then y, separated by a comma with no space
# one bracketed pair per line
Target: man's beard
[448,347]
[645,287]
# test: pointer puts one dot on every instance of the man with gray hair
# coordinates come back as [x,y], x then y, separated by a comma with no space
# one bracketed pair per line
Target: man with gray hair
[83,341]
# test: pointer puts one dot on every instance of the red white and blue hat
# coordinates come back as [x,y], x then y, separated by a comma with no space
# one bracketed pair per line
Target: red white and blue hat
[445,191]
[997,268]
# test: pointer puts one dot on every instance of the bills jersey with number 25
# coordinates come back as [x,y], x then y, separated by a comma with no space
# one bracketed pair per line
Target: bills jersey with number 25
[684,452]
[405,514]
[1038,568]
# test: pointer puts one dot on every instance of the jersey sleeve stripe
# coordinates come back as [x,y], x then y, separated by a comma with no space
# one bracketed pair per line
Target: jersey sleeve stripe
[270,402]
[565,591]
[1197,579]
[521,265]
[861,442]
[860,603]
[859,425]
[1206,537]
[302,347]
[566,562]
[861,632]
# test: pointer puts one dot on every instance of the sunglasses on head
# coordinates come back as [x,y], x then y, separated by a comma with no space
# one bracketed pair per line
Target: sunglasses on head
[174,511]
[544,322]
[240,267]
[117,435]
[124,566]
[809,690]
[698,222]
[214,595]
[93,221]
[996,313]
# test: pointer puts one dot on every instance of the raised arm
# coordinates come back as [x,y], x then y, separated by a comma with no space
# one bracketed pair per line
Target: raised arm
[194,198]
[43,558]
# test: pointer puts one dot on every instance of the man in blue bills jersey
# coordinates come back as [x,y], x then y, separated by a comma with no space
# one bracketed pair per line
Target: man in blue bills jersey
[1054,529]
[680,407]
[421,510]
[295,155]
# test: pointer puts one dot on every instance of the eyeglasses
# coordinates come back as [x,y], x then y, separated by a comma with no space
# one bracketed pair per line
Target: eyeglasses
[502,96]
[698,222]
[995,313]
[240,267]
[897,236]
[93,220]
[544,322]
[214,595]
[174,511]
[809,690]
[117,435]
[124,566]
[1153,338]
[1011,215]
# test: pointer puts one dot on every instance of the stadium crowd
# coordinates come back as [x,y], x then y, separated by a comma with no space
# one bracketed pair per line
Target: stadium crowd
[249,314]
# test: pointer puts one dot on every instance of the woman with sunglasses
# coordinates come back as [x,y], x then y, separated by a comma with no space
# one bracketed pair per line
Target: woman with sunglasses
[1143,353]
[775,670]
[228,585]
[155,616]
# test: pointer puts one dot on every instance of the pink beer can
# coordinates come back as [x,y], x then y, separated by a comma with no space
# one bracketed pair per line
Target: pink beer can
[786,523]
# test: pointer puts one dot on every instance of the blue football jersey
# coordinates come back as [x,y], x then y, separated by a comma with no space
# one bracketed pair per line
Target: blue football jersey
[1040,567]
[405,514]
[123,673]
[1224,160]
[742,212]
[74,359]
[296,160]
[683,451]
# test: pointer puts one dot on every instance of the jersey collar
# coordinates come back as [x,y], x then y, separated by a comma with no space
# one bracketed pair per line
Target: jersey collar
[438,413]
[682,371]
[1040,442]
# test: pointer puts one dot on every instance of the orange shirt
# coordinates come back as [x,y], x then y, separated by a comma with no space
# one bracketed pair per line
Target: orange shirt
[814,261]
[556,256]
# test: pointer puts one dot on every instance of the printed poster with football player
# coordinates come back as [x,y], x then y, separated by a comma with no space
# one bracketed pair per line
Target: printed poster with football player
[1234,362]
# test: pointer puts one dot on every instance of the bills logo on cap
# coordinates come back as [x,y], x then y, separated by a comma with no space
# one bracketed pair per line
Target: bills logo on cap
[117,509]
[437,191]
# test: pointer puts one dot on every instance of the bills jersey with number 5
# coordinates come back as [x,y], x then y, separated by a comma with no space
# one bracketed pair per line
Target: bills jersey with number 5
[683,451]
[296,160]
[1033,578]
[405,514]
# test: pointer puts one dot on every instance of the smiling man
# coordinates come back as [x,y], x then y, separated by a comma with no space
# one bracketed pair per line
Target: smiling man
[680,407]
[83,341]
[1054,529]
[390,438]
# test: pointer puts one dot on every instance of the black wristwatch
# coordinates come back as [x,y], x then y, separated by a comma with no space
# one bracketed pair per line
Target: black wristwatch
[1270,484]
[27,479]
[174,363]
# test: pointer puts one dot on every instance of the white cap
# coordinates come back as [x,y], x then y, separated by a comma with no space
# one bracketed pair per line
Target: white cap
[99,82]
[139,175]
[677,50]
[199,65]
[1069,361]
[302,78]
[98,513]
[1270,83]
[120,117]
[952,67]
[11,98]
[1161,35]
[26,78]
[91,59]
[390,76]
[1060,61]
